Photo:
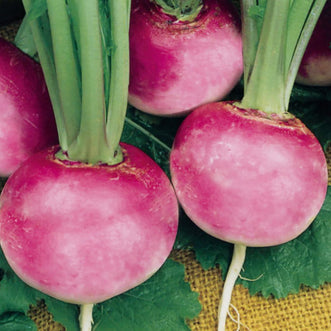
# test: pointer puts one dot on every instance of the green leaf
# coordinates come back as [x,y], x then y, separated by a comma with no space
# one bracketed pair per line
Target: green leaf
[16,296]
[278,270]
[16,322]
[38,8]
[153,135]
[313,106]
[163,302]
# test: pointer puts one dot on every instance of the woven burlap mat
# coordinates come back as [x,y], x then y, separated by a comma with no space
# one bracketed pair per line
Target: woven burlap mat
[309,310]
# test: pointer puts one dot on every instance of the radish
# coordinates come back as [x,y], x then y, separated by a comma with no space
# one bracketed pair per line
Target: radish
[315,68]
[27,122]
[91,218]
[83,234]
[183,54]
[233,168]
[249,172]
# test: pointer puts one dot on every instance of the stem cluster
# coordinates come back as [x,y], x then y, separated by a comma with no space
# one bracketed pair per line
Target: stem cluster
[275,35]
[83,48]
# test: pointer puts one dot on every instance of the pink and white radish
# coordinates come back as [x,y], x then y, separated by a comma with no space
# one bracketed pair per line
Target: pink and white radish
[240,174]
[249,172]
[84,234]
[181,59]
[91,218]
[27,122]
[315,68]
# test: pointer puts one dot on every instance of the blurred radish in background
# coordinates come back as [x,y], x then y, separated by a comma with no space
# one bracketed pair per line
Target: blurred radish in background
[183,54]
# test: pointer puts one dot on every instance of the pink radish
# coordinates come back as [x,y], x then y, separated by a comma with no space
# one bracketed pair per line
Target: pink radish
[178,63]
[249,172]
[241,175]
[315,68]
[84,234]
[27,122]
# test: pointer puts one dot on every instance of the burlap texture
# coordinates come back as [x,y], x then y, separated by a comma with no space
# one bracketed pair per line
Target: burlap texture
[309,310]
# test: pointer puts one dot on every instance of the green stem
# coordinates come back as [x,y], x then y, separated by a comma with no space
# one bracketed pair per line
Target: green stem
[296,55]
[44,49]
[24,38]
[148,134]
[297,19]
[250,36]
[119,79]
[183,10]
[91,143]
[265,89]
[66,66]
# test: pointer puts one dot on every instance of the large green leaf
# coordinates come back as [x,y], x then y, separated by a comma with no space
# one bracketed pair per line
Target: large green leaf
[16,322]
[163,302]
[313,106]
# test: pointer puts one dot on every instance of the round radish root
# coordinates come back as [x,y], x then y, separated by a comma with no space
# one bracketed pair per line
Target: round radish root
[176,65]
[27,123]
[315,67]
[84,233]
[247,178]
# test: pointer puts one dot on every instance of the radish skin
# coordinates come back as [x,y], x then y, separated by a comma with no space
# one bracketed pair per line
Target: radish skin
[176,65]
[240,175]
[84,233]
[27,123]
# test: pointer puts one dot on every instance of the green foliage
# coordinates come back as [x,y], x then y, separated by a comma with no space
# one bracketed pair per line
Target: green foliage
[39,8]
[153,135]
[163,302]
[16,322]
[313,106]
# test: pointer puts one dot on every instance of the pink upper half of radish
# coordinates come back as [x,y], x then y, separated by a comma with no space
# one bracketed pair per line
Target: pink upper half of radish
[84,234]
[26,118]
[245,178]
[175,65]
[315,67]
